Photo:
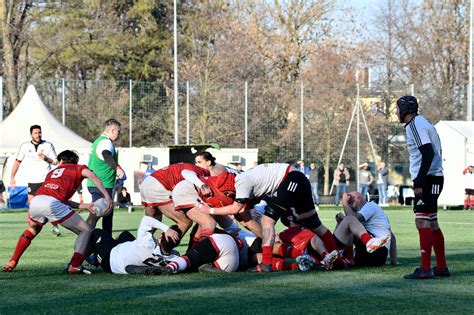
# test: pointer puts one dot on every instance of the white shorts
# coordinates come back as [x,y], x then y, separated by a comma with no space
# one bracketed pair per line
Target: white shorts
[46,208]
[185,196]
[227,251]
[153,193]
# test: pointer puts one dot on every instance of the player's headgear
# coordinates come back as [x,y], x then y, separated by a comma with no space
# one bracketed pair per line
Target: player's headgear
[407,105]
[68,157]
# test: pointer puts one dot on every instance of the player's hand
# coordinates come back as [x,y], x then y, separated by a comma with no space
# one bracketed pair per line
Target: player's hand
[203,208]
[418,192]
[339,217]
[206,191]
[87,206]
[110,204]
[346,199]
[172,234]
[12,183]
[120,173]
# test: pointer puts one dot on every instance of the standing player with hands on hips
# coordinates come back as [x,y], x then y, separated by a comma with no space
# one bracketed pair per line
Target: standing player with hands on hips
[52,203]
[426,170]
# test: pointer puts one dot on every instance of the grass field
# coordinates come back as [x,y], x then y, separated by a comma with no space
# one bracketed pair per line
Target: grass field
[38,285]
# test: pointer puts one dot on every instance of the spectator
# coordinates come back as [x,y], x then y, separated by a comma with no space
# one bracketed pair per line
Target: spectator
[313,179]
[365,179]
[300,166]
[341,181]
[123,198]
[239,168]
[382,184]
[149,170]
[103,161]
[469,191]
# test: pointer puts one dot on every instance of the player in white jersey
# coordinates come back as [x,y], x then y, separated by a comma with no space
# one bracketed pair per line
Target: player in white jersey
[424,148]
[286,190]
[37,156]
[366,226]
[114,255]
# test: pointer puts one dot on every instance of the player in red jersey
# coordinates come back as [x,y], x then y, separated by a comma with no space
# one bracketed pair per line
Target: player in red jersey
[52,203]
[156,193]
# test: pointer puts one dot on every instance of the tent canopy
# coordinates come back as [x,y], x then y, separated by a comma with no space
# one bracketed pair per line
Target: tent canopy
[15,129]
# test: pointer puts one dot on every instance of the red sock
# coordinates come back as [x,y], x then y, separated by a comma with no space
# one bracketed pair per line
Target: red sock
[279,264]
[471,203]
[426,242]
[438,246]
[267,255]
[23,242]
[77,259]
[348,252]
[329,241]
[287,250]
[466,202]
[365,237]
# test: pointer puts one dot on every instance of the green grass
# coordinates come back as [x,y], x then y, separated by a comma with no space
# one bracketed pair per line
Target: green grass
[38,285]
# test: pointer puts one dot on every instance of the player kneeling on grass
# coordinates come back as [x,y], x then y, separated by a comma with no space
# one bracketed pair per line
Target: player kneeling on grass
[366,226]
[52,203]
[114,255]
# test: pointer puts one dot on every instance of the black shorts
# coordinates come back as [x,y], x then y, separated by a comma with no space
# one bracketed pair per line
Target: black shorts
[293,199]
[374,259]
[470,192]
[103,244]
[33,188]
[426,207]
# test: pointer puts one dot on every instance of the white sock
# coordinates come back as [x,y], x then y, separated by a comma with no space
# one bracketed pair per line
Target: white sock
[178,264]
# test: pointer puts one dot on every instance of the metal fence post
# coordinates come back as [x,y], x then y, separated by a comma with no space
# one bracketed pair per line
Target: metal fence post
[1,98]
[130,115]
[187,112]
[246,115]
[63,100]
[302,123]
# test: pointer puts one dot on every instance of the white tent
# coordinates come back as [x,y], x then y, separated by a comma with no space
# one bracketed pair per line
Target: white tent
[457,142]
[15,130]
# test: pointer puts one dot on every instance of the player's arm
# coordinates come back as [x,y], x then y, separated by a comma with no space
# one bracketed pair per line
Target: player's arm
[393,250]
[192,177]
[149,224]
[371,179]
[109,159]
[98,183]
[77,205]
[232,209]
[16,165]
[50,157]
[427,155]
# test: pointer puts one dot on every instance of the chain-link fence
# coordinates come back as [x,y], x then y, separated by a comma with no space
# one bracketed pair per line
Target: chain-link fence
[285,122]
